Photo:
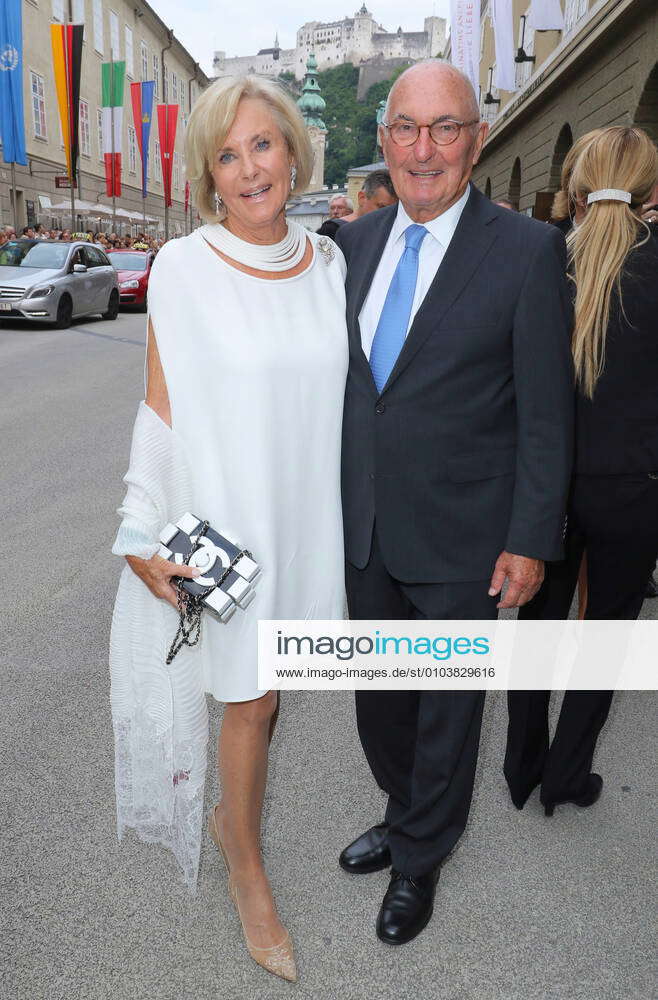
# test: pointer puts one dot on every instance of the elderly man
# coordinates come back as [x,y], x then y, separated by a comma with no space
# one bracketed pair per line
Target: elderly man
[457,449]
[377,192]
[339,206]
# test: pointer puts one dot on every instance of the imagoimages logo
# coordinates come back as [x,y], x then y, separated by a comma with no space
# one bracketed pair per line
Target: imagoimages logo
[9,59]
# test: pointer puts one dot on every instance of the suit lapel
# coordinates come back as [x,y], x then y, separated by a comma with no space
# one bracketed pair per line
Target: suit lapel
[469,245]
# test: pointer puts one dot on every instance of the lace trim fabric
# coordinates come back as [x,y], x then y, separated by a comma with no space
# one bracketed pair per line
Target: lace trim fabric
[159,713]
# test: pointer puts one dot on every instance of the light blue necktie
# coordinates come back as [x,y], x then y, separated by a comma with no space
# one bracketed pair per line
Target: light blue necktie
[394,319]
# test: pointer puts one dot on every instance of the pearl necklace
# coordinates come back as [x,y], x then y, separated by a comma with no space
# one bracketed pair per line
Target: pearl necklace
[281,256]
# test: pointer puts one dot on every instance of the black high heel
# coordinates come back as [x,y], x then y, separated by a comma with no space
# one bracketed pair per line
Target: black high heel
[588,798]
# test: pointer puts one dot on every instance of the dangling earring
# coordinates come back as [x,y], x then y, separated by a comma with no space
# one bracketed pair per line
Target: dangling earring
[293,176]
[218,203]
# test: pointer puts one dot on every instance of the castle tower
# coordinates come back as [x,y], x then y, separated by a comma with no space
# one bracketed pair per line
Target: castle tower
[312,105]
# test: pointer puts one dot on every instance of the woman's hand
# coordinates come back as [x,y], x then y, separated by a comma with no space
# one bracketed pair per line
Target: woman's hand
[157,572]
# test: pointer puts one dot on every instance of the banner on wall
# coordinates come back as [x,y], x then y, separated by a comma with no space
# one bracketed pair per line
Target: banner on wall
[546,15]
[167,119]
[502,17]
[66,40]
[113,81]
[465,38]
[12,128]
[142,101]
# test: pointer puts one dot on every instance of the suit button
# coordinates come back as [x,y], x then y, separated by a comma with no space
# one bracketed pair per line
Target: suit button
[380,408]
[371,475]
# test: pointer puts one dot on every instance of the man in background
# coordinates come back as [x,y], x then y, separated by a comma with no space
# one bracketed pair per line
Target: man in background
[339,206]
[377,192]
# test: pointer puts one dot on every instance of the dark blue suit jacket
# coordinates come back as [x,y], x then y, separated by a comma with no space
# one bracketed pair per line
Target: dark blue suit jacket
[468,449]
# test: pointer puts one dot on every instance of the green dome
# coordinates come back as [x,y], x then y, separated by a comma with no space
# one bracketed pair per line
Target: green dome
[311,103]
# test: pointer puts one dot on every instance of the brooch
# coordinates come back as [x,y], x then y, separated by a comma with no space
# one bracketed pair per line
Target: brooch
[326,248]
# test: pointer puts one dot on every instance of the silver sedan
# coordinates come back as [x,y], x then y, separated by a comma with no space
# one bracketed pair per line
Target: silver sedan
[52,281]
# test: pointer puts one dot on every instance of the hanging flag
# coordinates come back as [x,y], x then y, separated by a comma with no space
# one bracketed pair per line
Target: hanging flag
[503,26]
[12,129]
[187,196]
[167,118]
[142,100]
[113,75]
[66,42]
[465,38]
[546,15]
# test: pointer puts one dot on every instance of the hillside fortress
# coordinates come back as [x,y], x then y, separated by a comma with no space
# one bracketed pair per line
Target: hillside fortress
[355,40]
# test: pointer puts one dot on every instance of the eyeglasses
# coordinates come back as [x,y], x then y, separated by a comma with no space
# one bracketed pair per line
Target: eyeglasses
[443,133]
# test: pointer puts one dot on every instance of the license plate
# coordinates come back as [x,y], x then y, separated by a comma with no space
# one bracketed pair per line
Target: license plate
[5,306]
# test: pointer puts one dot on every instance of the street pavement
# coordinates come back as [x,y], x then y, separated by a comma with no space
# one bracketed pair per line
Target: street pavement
[528,908]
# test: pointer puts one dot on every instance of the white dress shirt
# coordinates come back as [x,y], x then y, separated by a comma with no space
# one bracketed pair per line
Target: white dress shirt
[432,250]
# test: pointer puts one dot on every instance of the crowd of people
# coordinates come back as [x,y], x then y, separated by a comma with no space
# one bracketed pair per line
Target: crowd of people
[106,240]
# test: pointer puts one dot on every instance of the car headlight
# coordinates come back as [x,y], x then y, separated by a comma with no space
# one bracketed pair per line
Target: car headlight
[41,292]
[129,284]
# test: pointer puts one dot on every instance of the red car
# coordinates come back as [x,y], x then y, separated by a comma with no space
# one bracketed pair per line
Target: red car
[133,268]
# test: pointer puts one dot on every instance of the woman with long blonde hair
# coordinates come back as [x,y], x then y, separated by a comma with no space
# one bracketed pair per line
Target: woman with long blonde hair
[613,511]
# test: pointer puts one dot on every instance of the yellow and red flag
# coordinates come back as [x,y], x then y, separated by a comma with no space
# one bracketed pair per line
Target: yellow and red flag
[67,58]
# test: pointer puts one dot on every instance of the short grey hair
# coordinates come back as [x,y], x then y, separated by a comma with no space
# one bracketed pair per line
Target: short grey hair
[443,63]
[342,197]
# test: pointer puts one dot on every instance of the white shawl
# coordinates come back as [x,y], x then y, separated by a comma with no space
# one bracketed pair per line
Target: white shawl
[159,712]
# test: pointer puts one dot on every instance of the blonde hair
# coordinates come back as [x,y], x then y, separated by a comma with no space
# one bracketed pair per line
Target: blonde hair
[562,208]
[623,158]
[211,120]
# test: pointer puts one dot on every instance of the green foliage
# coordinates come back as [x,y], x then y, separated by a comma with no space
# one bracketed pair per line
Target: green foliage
[351,125]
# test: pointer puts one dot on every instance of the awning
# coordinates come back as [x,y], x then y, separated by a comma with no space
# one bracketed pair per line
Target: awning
[81,207]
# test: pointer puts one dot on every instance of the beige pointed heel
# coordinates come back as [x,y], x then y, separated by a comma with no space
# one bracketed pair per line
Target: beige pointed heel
[279,959]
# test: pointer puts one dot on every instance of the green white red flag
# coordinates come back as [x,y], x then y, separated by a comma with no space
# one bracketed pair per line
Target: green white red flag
[113,79]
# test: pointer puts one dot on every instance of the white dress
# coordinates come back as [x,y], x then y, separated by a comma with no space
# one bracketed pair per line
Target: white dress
[255,371]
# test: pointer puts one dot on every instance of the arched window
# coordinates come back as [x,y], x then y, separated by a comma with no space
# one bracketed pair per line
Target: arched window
[514,189]
[563,144]
[646,114]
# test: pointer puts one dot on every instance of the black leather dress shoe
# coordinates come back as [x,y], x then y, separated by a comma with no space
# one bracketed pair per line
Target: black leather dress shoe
[588,798]
[407,907]
[368,853]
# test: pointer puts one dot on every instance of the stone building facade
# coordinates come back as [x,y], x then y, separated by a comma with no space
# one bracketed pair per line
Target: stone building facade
[602,69]
[134,32]
[353,40]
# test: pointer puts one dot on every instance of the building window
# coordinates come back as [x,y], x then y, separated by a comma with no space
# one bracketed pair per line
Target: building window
[98,26]
[84,128]
[174,89]
[99,126]
[145,60]
[574,10]
[129,51]
[78,11]
[525,70]
[157,163]
[156,74]
[115,47]
[176,171]
[38,106]
[132,150]
[58,11]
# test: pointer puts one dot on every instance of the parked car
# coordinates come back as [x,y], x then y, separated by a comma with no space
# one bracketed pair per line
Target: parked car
[133,268]
[54,281]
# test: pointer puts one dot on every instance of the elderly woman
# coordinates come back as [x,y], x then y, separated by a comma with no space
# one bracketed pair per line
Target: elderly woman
[246,366]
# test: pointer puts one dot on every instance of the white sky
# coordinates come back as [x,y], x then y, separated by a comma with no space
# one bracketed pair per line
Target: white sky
[242,27]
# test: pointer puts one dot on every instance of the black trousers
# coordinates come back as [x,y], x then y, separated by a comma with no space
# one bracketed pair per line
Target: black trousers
[614,521]
[421,746]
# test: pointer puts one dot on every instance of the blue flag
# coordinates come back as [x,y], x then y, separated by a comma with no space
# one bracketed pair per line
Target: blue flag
[12,129]
[142,100]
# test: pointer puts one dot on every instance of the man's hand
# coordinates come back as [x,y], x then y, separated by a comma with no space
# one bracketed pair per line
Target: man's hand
[525,577]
